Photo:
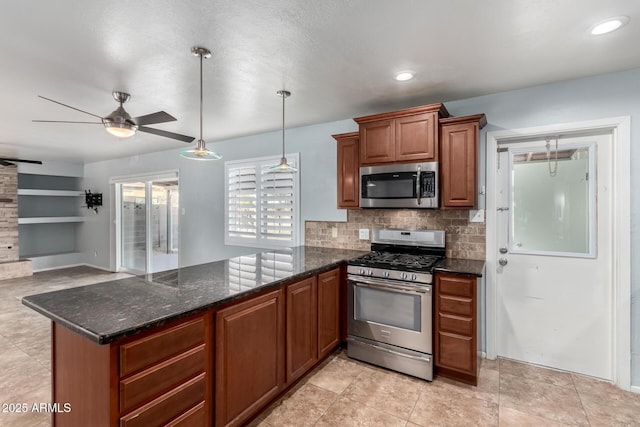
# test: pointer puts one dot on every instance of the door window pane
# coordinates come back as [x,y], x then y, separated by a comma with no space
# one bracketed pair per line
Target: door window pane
[134,237]
[552,203]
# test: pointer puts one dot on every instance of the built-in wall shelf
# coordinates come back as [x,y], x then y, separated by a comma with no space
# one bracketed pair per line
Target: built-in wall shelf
[54,193]
[50,219]
[50,214]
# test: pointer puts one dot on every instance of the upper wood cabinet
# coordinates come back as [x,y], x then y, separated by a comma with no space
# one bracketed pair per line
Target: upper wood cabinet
[409,135]
[459,160]
[348,169]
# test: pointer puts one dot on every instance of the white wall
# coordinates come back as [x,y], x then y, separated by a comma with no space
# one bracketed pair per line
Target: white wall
[611,95]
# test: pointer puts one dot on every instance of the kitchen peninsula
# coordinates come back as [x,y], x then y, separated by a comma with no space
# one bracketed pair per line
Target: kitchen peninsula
[166,348]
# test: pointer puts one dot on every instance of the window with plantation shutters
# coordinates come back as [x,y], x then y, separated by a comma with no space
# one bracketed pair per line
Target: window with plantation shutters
[262,208]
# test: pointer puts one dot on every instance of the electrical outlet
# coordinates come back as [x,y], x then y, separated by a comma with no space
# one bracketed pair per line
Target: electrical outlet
[334,232]
[364,234]
[476,215]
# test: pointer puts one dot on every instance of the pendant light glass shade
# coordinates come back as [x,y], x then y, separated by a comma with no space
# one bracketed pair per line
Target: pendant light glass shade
[283,167]
[201,152]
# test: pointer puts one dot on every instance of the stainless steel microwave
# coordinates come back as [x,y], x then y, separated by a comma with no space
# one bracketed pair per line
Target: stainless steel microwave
[405,185]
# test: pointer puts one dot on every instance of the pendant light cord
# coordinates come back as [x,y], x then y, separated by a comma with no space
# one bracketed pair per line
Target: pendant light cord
[283,97]
[201,96]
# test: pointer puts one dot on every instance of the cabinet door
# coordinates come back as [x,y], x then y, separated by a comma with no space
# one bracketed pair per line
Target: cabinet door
[348,170]
[459,165]
[417,137]
[302,327]
[377,142]
[249,357]
[328,311]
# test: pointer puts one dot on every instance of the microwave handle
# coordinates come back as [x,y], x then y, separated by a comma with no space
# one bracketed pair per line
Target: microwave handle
[418,183]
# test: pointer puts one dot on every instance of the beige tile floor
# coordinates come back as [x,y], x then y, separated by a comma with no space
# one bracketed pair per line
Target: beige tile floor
[341,391]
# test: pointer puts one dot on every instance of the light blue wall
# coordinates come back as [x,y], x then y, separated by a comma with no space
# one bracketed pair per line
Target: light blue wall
[202,190]
[611,95]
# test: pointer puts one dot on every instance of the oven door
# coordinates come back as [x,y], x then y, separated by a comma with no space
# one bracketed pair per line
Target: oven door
[396,313]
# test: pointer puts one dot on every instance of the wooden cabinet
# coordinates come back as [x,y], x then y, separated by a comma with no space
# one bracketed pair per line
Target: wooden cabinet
[328,311]
[250,357]
[161,378]
[409,135]
[302,327]
[456,346]
[348,169]
[459,160]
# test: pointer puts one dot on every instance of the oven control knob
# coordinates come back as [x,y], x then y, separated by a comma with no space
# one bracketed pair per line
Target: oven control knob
[362,271]
[370,272]
[385,274]
[413,277]
[403,276]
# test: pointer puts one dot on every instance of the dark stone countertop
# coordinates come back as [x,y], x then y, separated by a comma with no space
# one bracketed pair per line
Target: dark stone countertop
[472,267]
[109,311]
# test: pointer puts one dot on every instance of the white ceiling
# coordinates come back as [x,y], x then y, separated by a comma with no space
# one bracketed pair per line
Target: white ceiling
[337,58]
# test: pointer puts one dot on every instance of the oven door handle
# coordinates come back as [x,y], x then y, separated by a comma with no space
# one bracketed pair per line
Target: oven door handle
[418,183]
[396,353]
[372,283]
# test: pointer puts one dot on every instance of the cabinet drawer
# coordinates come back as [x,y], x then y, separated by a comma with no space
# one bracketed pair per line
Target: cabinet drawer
[458,286]
[456,324]
[194,417]
[155,348]
[455,305]
[169,406]
[455,352]
[159,378]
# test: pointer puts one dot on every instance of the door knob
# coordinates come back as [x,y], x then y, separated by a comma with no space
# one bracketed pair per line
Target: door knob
[502,261]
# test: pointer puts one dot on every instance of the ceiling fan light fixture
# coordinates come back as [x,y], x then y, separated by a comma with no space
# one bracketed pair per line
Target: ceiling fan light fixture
[121,130]
[201,152]
[283,167]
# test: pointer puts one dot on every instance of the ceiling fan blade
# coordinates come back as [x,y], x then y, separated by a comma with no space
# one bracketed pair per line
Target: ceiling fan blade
[8,159]
[150,119]
[69,106]
[183,138]
[65,121]
[5,163]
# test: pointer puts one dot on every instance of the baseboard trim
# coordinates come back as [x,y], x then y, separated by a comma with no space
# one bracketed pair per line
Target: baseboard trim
[84,264]
[635,389]
[98,267]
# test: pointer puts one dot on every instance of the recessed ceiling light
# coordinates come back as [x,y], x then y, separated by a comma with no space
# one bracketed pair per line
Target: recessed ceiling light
[608,25]
[404,76]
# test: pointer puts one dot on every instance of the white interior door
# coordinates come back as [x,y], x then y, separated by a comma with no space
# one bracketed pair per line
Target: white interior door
[554,234]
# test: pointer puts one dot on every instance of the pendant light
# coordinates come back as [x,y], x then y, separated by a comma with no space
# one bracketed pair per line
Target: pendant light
[283,166]
[201,152]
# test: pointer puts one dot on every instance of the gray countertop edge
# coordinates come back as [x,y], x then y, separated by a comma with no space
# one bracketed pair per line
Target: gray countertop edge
[103,339]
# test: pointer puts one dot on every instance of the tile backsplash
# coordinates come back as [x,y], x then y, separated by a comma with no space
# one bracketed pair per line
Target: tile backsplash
[464,239]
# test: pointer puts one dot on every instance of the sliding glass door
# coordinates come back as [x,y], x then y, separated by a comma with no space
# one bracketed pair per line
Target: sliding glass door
[148,224]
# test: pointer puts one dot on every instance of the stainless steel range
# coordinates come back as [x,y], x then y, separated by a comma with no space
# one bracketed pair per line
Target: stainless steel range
[390,300]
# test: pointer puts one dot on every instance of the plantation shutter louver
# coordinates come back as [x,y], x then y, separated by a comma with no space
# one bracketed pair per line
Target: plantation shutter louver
[262,206]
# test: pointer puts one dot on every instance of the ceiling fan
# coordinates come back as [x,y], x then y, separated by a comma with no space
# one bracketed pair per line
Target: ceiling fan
[119,123]
[7,161]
